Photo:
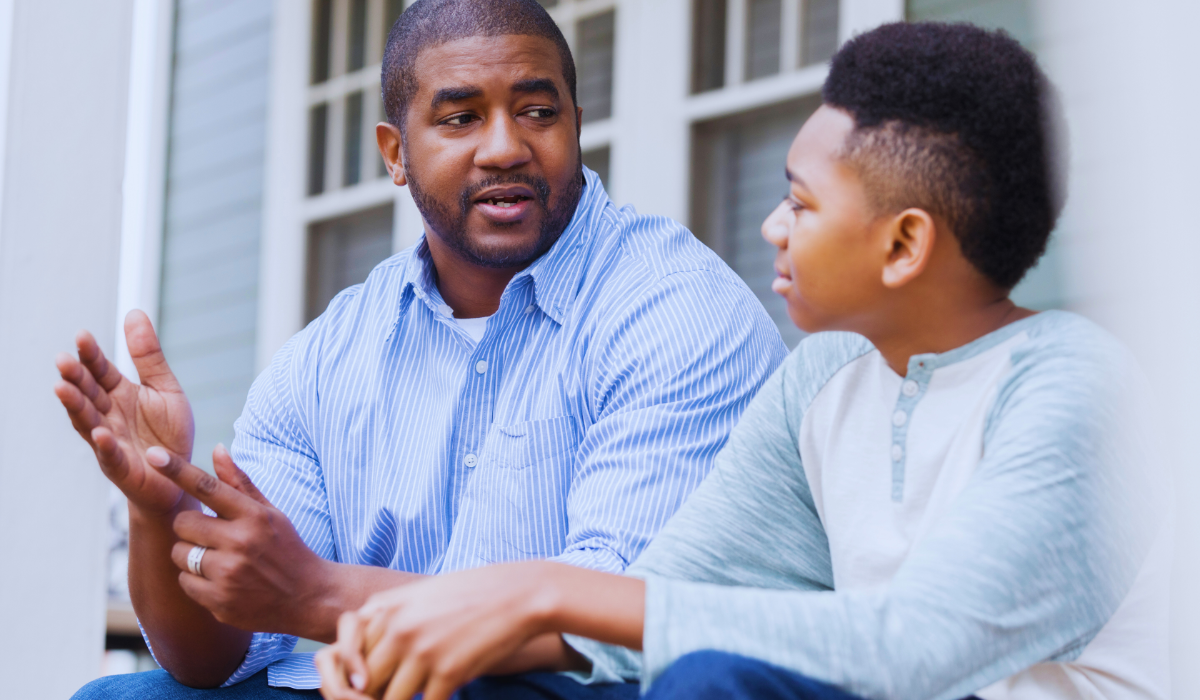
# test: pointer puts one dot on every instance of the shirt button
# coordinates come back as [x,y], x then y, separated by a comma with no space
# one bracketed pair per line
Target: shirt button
[897,453]
[445,310]
[899,418]
[471,461]
[529,309]
[910,388]
[481,366]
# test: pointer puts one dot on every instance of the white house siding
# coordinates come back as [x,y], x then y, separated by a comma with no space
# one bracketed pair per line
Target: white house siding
[214,193]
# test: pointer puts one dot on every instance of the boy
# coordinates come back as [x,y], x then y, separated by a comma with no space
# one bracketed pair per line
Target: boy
[946,498]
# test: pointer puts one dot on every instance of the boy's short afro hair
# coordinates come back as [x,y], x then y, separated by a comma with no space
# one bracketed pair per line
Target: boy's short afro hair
[429,23]
[959,121]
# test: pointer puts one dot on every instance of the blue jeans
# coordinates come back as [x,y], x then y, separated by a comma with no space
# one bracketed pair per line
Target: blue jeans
[158,685]
[704,675]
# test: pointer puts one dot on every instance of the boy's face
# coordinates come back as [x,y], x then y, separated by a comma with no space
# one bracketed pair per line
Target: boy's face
[829,245]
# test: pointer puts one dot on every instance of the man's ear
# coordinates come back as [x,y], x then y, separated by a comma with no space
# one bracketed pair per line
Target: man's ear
[911,235]
[578,122]
[390,147]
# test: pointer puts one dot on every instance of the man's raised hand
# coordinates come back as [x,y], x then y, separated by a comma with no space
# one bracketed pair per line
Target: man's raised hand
[120,419]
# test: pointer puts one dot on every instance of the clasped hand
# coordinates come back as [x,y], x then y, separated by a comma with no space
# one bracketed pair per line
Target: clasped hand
[435,636]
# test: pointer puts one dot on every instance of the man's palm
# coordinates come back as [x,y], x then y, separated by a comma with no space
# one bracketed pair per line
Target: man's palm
[120,419]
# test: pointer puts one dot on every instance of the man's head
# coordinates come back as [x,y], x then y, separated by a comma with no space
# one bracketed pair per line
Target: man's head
[926,129]
[483,126]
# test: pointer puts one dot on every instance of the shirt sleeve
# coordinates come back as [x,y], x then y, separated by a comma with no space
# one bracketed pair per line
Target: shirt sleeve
[274,447]
[752,522]
[1027,565]
[664,395]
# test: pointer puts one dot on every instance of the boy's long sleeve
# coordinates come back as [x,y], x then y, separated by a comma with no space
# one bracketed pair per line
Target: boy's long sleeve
[1027,564]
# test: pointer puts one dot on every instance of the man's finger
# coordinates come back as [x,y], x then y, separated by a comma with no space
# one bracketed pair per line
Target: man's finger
[235,477]
[225,500]
[82,413]
[200,590]
[147,354]
[195,527]
[74,372]
[110,455]
[105,372]
[209,563]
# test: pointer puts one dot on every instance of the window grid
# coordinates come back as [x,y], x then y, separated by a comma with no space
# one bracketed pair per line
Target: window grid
[348,39]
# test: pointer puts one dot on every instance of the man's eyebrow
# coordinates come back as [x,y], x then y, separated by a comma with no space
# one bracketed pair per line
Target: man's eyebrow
[545,85]
[455,94]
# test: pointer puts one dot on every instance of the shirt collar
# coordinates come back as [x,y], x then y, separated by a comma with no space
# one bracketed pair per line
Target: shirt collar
[554,276]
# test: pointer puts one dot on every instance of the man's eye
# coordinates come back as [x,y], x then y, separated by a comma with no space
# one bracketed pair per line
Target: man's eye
[459,120]
[541,113]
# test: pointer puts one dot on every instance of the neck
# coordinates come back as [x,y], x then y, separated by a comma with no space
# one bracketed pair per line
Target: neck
[472,290]
[940,323]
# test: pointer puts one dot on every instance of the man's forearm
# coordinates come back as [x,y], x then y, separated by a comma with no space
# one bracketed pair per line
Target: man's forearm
[190,643]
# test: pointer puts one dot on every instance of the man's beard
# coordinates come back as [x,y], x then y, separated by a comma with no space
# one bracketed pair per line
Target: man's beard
[451,225]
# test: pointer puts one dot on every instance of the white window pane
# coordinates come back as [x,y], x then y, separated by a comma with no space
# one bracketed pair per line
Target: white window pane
[820,25]
[709,26]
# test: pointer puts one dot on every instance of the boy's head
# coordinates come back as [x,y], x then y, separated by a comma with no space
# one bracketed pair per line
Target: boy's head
[927,129]
[483,127]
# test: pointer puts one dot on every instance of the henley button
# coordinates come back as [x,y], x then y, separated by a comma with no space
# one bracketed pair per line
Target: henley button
[481,366]
[897,453]
[899,418]
[910,388]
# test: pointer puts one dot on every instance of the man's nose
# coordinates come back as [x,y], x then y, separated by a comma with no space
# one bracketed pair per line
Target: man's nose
[502,147]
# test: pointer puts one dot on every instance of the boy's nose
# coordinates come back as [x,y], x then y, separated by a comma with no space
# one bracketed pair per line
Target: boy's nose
[776,229]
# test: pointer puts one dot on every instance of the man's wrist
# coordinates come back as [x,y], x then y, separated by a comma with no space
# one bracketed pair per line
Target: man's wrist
[323,602]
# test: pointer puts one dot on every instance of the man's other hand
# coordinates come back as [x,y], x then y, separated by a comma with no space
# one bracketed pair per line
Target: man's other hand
[257,573]
[120,419]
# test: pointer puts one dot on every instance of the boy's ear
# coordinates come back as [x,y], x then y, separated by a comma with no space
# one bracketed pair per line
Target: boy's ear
[911,236]
[390,147]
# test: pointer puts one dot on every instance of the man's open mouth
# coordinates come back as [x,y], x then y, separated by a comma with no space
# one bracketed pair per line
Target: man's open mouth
[505,202]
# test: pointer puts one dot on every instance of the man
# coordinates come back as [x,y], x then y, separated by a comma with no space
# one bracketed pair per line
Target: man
[543,376]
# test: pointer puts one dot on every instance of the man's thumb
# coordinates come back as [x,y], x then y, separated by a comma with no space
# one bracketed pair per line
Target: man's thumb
[147,353]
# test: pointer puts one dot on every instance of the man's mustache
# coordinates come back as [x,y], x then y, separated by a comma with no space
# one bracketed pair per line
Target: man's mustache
[537,183]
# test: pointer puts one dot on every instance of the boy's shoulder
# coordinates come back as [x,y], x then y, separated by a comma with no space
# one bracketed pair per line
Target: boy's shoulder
[815,361]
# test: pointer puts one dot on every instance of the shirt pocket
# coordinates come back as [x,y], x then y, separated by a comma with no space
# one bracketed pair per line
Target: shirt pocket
[527,470]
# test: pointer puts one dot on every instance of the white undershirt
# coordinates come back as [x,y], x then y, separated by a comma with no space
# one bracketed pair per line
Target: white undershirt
[475,327]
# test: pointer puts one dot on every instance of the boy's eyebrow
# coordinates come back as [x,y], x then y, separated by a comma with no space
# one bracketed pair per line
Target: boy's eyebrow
[455,94]
[545,85]
[793,177]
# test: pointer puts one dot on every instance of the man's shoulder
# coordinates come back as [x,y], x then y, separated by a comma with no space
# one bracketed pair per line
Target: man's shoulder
[660,245]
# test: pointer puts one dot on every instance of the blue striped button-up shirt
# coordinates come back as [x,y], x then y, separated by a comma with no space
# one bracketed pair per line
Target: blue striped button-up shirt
[605,383]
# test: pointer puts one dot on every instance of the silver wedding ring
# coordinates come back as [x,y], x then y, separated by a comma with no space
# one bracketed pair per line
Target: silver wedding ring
[195,559]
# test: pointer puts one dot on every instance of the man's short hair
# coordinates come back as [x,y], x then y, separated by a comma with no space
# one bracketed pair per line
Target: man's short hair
[958,121]
[429,23]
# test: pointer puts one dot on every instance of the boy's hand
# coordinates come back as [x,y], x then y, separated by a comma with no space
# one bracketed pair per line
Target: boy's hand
[120,419]
[437,635]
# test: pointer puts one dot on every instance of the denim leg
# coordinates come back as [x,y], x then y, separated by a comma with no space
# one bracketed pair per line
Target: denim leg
[715,675]
[158,685]
[544,686]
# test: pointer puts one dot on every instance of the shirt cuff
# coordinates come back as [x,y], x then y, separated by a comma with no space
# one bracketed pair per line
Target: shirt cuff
[610,663]
[264,649]
[594,558]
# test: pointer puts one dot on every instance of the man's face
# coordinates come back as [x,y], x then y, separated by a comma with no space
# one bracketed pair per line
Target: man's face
[491,149]
[830,250]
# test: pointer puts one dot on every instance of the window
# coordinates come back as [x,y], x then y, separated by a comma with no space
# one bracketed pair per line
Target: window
[708,44]
[343,251]
[347,50]
[595,37]
[598,160]
[763,37]
[739,163]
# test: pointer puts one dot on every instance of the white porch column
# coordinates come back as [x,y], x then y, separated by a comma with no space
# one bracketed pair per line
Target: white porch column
[64,69]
